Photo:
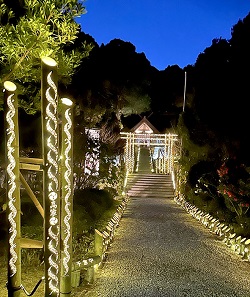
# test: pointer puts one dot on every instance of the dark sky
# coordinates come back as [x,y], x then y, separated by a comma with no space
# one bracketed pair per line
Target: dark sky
[169,32]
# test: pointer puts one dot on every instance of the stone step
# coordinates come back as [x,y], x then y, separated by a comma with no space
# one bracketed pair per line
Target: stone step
[149,178]
[148,174]
[157,195]
[150,194]
[151,182]
[155,186]
[149,189]
[148,182]
[150,186]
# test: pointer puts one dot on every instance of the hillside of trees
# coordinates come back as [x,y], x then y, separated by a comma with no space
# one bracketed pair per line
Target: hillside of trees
[214,129]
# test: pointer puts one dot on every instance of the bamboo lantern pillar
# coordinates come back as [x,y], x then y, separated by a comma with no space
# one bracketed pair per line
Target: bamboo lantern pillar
[13,190]
[66,196]
[51,197]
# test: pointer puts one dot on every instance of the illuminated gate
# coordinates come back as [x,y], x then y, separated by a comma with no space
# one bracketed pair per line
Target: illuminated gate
[164,149]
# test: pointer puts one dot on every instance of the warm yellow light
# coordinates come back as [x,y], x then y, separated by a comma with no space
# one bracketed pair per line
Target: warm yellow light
[9,86]
[52,157]
[67,101]
[12,184]
[173,180]
[138,159]
[49,61]
[68,190]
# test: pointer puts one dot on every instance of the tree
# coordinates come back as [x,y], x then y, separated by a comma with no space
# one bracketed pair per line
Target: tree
[33,29]
[115,80]
[212,88]
[240,64]
[214,130]
[167,89]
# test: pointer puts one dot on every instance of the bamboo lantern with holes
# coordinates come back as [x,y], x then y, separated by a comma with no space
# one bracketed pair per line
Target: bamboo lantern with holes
[51,198]
[13,190]
[67,196]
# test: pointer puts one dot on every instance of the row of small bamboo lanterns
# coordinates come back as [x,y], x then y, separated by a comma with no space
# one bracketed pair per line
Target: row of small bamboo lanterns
[102,241]
[238,244]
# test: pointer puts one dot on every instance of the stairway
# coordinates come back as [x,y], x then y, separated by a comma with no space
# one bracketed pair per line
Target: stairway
[144,162]
[150,186]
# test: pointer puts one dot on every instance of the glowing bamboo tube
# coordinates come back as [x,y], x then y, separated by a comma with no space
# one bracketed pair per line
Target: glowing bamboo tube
[171,154]
[127,154]
[130,152]
[13,189]
[138,158]
[133,153]
[67,196]
[51,199]
[165,156]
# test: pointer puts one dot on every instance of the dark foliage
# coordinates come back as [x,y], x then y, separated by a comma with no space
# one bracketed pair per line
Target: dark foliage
[94,201]
[220,84]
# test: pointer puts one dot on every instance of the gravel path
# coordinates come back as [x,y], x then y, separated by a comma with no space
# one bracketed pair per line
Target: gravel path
[160,250]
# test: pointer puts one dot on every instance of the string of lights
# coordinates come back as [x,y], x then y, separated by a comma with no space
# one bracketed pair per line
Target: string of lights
[168,143]
[52,158]
[12,184]
[68,190]
[138,159]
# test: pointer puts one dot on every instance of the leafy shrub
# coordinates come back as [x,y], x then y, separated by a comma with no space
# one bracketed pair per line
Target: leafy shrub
[95,202]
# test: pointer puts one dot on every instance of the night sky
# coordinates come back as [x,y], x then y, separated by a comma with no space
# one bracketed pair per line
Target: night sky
[169,32]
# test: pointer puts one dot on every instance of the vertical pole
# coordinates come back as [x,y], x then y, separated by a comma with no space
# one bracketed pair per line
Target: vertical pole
[126,154]
[13,190]
[129,153]
[165,154]
[51,198]
[169,152]
[184,96]
[98,243]
[67,196]
[133,153]
[138,157]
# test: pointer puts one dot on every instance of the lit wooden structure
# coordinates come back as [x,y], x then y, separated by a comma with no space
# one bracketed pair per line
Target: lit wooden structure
[164,148]
[13,189]
[57,172]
